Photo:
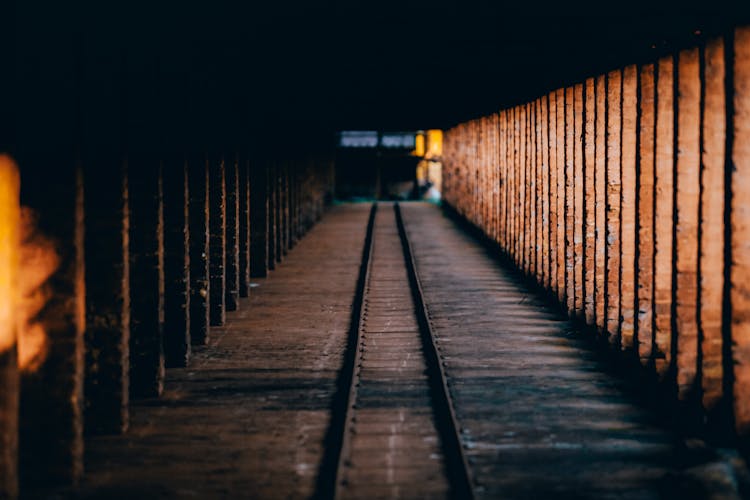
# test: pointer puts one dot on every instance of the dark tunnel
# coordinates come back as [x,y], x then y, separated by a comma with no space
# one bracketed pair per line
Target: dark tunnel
[231,204]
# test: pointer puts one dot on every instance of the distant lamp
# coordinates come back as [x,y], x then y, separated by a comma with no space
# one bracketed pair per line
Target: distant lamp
[434,143]
[419,144]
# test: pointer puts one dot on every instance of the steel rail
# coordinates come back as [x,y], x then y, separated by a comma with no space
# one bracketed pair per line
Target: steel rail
[459,473]
[339,430]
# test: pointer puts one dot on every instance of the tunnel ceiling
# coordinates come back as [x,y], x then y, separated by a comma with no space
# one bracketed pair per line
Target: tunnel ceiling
[224,68]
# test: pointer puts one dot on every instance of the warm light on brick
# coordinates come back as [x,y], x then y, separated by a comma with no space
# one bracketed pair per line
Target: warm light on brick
[9,240]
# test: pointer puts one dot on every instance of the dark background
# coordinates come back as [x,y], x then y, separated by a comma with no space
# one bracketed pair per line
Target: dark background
[287,73]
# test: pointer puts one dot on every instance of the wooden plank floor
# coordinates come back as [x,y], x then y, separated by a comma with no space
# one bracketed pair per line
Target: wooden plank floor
[395,449]
[247,418]
[539,417]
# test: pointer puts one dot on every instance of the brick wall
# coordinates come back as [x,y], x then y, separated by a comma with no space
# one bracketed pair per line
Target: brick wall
[625,197]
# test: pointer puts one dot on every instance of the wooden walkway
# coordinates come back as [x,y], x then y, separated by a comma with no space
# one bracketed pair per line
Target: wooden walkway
[539,417]
[248,417]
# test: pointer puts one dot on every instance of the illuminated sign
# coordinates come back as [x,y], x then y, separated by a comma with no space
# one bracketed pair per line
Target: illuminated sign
[373,139]
[358,139]
[402,140]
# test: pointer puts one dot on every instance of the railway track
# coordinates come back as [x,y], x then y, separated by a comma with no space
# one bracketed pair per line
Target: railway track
[394,433]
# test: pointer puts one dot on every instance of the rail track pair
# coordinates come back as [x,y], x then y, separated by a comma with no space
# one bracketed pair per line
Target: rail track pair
[393,429]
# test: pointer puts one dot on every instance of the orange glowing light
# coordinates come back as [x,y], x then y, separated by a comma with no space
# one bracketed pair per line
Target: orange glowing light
[39,260]
[9,234]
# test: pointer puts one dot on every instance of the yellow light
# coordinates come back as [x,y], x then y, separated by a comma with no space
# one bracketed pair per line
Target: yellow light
[419,145]
[434,143]
[10,208]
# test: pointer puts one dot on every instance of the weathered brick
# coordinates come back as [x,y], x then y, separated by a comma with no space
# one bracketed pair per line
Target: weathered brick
[284,207]
[503,179]
[51,403]
[614,183]
[177,340]
[107,337]
[259,218]
[647,135]
[538,198]
[198,183]
[273,212]
[9,378]
[10,218]
[713,171]
[569,196]
[232,232]
[687,207]
[552,191]
[523,227]
[560,196]
[579,216]
[279,245]
[546,159]
[663,217]
[628,206]
[589,198]
[611,193]
[217,241]
[600,189]
[146,276]
[512,180]
[244,225]
[293,213]
[740,234]
[532,186]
